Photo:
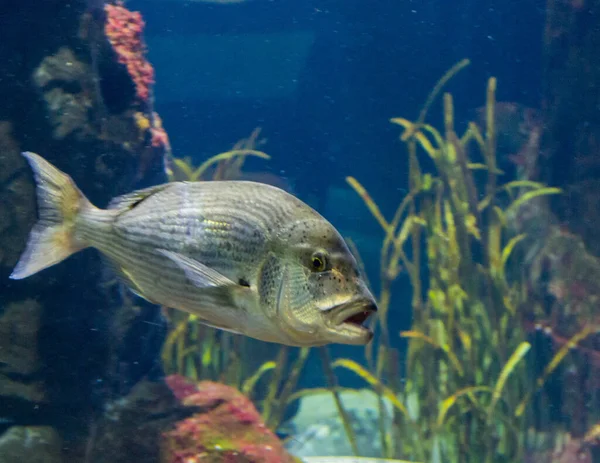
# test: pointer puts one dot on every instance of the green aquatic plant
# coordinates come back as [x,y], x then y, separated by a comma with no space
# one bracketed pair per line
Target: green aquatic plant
[467,393]
[224,166]
[465,368]
[183,170]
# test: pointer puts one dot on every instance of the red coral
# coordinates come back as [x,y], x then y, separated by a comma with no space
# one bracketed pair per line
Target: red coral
[159,138]
[228,429]
[180,386]
[123,28]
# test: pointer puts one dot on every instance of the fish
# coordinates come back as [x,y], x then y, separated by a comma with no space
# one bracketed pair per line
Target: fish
[244,257]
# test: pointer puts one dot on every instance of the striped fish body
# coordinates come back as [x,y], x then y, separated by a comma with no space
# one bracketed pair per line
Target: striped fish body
[243,256]
[228,226]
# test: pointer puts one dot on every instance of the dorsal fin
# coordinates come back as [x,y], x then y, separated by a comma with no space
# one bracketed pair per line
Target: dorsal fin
[130,200]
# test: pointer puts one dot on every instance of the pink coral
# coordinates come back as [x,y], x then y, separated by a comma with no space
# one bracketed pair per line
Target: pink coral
[228,428]
[159,137]
[124,28]
[181,387]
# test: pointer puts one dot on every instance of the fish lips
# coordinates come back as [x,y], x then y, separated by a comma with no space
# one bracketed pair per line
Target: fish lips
[351,317]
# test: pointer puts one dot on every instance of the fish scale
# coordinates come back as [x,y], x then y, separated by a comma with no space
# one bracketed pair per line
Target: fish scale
[232,250]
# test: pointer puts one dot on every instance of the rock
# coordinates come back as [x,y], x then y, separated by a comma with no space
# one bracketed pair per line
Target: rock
[78,346]
[62,80]
[131,426]
[19,361]
[17,206]
[226,428]
[317,429]
[33,444]
[564,449]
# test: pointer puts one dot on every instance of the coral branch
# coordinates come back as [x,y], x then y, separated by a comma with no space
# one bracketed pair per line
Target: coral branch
[124,28]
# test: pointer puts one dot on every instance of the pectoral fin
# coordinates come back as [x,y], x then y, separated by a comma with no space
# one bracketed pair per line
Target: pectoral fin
[198,273]
[218,291]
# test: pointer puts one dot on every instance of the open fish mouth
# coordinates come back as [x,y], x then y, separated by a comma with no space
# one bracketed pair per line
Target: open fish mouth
[354,313]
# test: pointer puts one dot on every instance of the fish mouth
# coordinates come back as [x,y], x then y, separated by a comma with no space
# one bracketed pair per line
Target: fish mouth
[352,316]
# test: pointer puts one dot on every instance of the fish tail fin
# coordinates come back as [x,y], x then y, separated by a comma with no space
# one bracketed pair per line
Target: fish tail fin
[52,238]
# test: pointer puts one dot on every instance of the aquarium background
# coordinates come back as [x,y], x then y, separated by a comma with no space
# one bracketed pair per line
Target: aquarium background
[453,144]
[322,80]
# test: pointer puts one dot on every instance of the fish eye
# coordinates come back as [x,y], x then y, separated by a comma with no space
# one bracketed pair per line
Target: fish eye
[318,262]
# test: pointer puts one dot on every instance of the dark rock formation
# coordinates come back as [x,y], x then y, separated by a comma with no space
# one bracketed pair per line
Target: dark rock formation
[571,137]
[130,429]
[33,444]
[69,343]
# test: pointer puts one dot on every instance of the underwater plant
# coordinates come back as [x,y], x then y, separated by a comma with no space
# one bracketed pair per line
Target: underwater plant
[467,390]
[467,386]
[223,166]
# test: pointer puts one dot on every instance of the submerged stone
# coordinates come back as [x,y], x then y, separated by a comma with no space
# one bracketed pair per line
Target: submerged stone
[318,430]
[20,365]
[31,444]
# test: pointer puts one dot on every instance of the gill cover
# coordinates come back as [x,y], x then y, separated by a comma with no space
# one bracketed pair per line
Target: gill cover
[295,304]
[284,294]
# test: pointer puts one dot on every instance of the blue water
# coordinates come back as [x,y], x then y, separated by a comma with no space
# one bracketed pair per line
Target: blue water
[322,79]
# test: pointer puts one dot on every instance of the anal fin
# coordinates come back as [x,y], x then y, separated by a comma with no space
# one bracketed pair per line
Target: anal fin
[125,277]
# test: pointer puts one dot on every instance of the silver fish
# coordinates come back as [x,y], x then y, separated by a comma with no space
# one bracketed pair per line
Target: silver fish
[244,257]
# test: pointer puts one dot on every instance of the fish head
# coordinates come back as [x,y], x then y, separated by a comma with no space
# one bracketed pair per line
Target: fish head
[318,295]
